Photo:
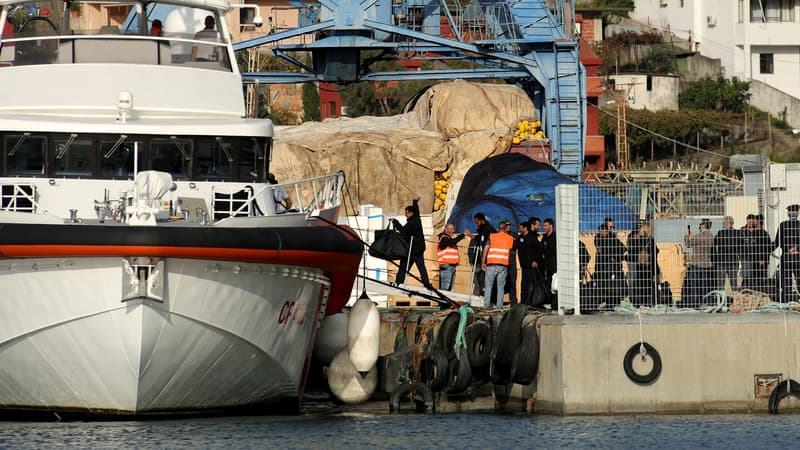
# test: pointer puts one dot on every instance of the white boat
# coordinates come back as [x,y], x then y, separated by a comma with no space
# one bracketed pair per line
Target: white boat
[143,266]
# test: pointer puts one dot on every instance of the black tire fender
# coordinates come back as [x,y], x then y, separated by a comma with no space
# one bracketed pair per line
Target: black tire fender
[506,344]
[436,370]
[479,343]
[526,364]
[417,393]
[781,391]
[460,373]
[448,330]
[509,335]
[635,352]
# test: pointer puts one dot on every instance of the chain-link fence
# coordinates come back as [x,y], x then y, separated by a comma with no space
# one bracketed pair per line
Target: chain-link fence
[708,246]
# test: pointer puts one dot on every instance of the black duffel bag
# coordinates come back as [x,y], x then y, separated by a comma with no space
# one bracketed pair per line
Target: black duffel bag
[389,245]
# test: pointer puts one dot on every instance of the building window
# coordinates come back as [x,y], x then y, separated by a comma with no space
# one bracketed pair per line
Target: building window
[766,64]
[649,83]
[681,3]
[772,11]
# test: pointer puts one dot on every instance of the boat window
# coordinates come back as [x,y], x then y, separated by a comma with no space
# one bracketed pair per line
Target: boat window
[248,170]
[25,154]
[214,159]
[70,32]
[73,156]
[171,155]
[117,158]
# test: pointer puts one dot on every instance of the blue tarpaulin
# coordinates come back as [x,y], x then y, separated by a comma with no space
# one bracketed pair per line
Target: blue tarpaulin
[514,187]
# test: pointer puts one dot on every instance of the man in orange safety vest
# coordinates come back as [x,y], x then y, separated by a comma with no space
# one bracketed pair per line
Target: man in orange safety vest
[496,257]
[447,255]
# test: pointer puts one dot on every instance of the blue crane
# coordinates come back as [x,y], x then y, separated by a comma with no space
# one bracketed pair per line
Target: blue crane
[521,41]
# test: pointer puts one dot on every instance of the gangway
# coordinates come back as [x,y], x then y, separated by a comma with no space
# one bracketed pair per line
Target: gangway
[521,41]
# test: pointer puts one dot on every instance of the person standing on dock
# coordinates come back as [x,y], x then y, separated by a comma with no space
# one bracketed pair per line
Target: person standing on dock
[496,258]
[476,244]
[447,256]
[549,264]
[727,246]
[412,232]
[698,278]
[511,279]
[788,239]
[762,249]
[528,255]
[608,263]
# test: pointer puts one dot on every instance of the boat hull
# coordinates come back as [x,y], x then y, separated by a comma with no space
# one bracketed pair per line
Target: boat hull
[223,335]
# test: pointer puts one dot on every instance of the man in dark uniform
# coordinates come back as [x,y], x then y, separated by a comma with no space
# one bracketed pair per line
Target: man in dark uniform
[412,231]
[475,252]
[549,264]
[788,239]
[528,253]
[727,249]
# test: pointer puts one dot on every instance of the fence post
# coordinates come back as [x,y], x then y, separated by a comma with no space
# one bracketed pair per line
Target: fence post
[567,228]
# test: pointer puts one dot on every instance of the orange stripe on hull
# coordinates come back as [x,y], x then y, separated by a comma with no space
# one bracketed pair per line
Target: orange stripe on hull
[327,261]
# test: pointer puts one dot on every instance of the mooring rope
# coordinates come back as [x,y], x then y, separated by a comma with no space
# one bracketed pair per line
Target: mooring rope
[465,311]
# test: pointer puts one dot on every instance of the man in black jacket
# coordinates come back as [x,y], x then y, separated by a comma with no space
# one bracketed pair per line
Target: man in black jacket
[528,253]
[548,263]
[412,231]
[788,239]
[727,248]
[476,244]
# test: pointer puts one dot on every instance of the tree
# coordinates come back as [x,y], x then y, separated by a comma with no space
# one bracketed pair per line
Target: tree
[310,102]
[719,94]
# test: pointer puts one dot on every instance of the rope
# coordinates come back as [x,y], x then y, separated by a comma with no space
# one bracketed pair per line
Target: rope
[642,350]
[786,344]
[464,310]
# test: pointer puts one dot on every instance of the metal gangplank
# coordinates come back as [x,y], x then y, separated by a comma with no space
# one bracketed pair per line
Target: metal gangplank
[521,41]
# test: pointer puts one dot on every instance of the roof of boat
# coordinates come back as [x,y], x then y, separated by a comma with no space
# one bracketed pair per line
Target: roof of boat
[223,5]
[162,126]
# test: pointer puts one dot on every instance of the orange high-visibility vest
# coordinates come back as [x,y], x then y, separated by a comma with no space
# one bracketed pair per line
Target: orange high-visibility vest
[500,245]
[447,255]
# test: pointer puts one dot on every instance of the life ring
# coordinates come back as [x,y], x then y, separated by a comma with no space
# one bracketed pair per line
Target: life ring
[506,344]
[783,390]
[448,330]
[460,373]
[436,370]
[526,364]
[417,393]
[634,352]
[479,343]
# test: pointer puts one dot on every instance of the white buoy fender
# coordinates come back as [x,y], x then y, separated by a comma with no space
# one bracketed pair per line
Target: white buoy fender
[363,335]
[331,338]
[347,384]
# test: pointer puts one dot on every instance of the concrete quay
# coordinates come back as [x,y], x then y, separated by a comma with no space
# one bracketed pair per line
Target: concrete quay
[711,363]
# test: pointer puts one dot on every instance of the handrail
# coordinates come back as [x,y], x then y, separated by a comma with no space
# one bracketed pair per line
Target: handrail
[326,197]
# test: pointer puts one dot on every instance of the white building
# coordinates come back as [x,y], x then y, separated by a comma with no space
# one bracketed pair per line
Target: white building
[653,92]
[756,40]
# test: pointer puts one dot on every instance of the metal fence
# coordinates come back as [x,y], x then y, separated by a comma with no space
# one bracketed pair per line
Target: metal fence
[704,246]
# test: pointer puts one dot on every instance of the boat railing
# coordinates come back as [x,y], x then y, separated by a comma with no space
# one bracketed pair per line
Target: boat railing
[309,196]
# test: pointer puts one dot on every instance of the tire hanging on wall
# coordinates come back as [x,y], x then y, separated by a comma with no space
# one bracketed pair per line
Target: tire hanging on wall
[479,343]
[634,352]
[460,373]
[781,391]
[417,393]
[446,339]
[526,364]
[436,370]
[506,344]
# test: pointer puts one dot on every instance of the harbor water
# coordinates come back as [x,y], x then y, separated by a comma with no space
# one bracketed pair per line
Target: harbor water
[358,429]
